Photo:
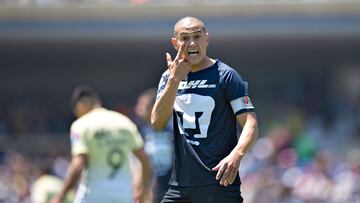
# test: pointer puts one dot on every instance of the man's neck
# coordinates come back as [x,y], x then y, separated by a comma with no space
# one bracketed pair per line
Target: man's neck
[95,107]
[205,63]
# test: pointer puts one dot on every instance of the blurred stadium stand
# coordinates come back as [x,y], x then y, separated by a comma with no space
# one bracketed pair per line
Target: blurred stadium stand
[301,58]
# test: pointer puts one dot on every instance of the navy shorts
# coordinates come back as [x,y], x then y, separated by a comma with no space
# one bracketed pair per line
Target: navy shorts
[204,194]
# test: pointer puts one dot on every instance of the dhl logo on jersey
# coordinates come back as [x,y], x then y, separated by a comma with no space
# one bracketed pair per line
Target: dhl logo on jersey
[195,84]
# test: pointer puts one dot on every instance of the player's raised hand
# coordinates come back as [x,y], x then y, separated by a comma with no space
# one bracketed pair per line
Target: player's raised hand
[227,169]
[178,67]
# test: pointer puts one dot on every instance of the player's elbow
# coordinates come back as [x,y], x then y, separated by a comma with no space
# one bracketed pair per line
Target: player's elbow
[157,124]
[256,129]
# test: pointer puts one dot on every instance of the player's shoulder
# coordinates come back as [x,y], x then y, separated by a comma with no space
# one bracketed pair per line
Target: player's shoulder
[119,116]
[163,80]
[227,72]
[225,68]
[77,124]
[89,118]
[122,120]
[166,73]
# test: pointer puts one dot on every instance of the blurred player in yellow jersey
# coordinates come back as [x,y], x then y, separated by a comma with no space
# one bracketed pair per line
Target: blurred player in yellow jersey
[101,143]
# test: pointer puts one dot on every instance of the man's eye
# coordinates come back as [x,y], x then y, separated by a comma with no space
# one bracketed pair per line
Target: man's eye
[184,38]
[197,36]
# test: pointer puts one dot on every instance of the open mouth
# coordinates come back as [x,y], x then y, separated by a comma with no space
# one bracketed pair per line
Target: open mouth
[193,53]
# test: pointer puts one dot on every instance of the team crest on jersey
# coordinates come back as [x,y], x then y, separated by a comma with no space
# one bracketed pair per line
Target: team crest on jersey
[192,84]
[246,100]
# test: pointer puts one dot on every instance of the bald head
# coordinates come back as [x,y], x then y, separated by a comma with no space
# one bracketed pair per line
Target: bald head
[189,24]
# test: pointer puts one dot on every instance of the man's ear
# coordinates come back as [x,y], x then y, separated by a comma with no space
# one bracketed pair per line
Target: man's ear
[174,43]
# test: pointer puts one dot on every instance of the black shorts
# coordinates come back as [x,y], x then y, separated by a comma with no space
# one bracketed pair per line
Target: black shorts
[204,194]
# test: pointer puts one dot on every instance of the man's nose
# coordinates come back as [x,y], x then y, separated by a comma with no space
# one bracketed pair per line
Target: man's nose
[192,42]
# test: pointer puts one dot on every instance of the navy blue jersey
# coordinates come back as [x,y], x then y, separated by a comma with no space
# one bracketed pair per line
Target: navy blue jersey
[205,110]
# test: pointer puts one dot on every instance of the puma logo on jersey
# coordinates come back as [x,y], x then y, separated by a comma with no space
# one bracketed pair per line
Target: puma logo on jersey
[195,84]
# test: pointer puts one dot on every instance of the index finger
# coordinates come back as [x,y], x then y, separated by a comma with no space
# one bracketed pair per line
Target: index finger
[181,51]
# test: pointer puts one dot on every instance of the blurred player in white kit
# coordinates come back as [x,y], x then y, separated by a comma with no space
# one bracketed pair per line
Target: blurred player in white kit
[101,143]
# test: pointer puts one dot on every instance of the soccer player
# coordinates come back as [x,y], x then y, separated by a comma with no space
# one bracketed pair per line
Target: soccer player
[101,142]
[207,99]
[158,144]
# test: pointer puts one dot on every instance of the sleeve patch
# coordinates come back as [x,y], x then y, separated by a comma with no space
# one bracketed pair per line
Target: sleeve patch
[241,104]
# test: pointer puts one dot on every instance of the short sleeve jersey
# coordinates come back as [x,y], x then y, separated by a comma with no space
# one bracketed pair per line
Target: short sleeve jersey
[205,126]
[107,138]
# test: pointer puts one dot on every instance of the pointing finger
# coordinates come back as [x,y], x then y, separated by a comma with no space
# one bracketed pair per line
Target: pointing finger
[181,51]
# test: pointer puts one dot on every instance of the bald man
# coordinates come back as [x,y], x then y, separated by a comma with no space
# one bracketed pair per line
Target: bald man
[207,100]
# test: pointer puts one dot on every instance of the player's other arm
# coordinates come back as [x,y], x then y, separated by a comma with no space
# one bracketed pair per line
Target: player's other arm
[146,173]
[228,167]
[78,163]
[163,107]
[250,131]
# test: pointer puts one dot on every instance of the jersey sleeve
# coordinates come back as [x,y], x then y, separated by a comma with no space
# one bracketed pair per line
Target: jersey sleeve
[237,93]
[162,84]
[78,142]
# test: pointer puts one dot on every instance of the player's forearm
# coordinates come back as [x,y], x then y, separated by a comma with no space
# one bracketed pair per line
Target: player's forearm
[71,178]
[146,174]
[163,107]
[142,185]
[247,138]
